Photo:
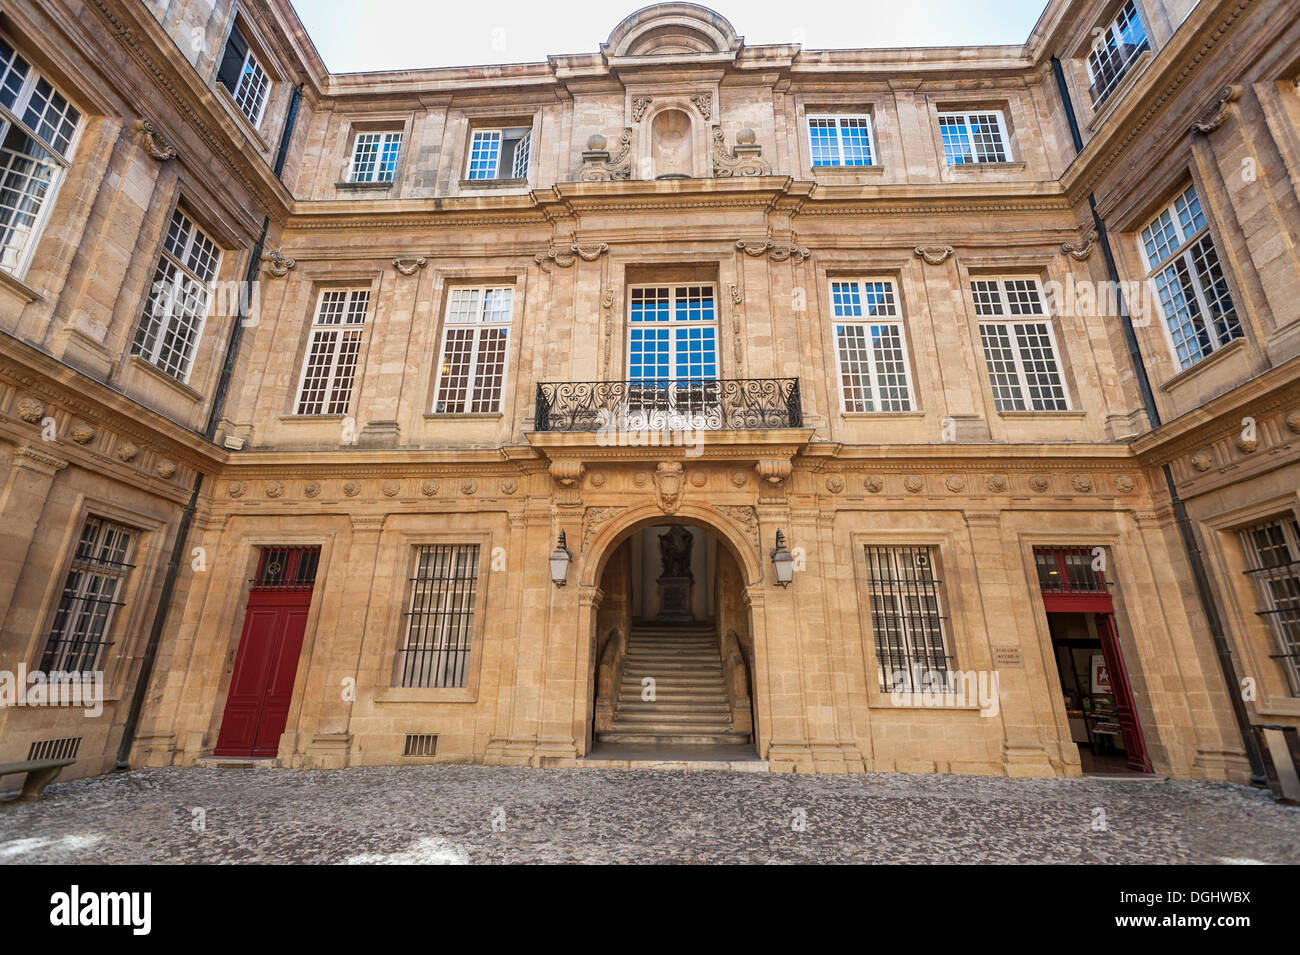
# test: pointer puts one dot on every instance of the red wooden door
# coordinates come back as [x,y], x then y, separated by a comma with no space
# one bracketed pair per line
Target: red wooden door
[261,687]
[1125,711]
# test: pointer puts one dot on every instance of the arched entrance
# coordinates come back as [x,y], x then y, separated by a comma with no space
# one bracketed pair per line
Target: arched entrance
[674,640]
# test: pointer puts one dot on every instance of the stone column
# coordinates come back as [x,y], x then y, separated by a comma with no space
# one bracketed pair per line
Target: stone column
[22,500]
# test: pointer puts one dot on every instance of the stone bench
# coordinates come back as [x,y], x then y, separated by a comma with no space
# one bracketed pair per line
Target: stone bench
[40,773]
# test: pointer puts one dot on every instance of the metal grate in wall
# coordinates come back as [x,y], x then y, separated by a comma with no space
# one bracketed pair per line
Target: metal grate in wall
[421,744]
[65,748]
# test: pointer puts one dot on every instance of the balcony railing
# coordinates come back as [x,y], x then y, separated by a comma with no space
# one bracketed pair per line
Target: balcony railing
[735,404]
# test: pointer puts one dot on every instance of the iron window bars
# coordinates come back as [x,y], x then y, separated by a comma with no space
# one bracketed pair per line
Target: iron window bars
[91,596]
[440,622]
[1273,549]
[907,617]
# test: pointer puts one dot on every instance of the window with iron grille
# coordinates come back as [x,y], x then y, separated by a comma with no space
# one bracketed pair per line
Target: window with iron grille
[242,74]
[1116,47]
[840,140]
[374,157]
[178,302]
[330,365]
[91,595]
[973,137]
[1184,264]
[472,369]
[499,153]
[440,622]
[872,355]
[1020,353]
[1273,551]
[1070,570]
[286,568]
[907,617]
[37,129]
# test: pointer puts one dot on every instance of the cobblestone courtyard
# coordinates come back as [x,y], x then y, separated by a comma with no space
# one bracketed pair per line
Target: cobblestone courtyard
[478,814]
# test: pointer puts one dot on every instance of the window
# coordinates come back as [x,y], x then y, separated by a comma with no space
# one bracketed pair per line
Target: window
[374,157]
[331,363]
[907,617]
[440,622]
[1020,353]
[1273,551]
[472,371]
[872,355]
[178,302]
[840,140]
[494,151]
[672,356]
[973,137]
[1193,292]
[244,77]
[37,128]
[1117,45]
[91,595]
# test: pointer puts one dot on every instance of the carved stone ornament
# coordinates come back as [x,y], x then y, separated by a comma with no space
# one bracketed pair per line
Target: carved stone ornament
[935,254]
[274,489]
[744,160]
[834,483]
[739,478]
[874,483]
[699,479]
[509,486]
[553,257]
[312,489]
[82,433]
[165,468]
[640,479]
[30,410]
[237,489]
[1039,484]
[1202,461]
[594,518]
[127,451]
[704,103]
[995,483]
[468,486]
[668,485]
[597,479]
[1217,114]
[745,516]
[429,488]
[352,488]
[639,105]
[1124,484]
[1083,248]
[598,167]
[1293,422]
[391,488]
[1082,483]
[279,264]
[410,265]
[154,143]
[913,484]
[954,483]
[773,471]
[777,253]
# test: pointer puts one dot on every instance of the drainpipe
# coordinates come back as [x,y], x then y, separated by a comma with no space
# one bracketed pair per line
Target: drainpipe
[1186,528]
[187,515]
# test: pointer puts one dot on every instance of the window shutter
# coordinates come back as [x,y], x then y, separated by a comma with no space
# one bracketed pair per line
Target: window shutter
[232,60]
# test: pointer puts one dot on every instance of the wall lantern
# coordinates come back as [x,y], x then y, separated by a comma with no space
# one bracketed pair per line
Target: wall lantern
[560,560]
[783,561]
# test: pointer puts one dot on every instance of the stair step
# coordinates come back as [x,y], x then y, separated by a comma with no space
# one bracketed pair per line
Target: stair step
[672,739]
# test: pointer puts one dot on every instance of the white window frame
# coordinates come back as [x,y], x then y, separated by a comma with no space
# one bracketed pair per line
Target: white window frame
[385,139]
[864,322]
[1182,253]
[166,323]
[1006,319]
[481,320]
[1290,530]
[523,144]
[13,117]
[347,329]
[838,119]
[242,87]
[1111,32]
[523,148]
[1003,144]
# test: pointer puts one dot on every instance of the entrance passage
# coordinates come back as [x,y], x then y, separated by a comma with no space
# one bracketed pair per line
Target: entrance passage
[673,662]
[261,687]
[1090,662]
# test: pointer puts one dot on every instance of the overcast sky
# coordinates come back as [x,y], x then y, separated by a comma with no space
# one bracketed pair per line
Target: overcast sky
[405,34]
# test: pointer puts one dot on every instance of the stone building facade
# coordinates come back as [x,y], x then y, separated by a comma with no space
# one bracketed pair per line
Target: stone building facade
[1001,341]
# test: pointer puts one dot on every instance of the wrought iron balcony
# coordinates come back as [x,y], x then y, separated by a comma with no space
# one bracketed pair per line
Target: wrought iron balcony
[714,404]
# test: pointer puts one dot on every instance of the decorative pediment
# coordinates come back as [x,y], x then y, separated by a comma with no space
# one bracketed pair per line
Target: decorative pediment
[672,28]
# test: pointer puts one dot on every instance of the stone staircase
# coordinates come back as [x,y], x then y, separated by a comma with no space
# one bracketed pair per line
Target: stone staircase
[690,705]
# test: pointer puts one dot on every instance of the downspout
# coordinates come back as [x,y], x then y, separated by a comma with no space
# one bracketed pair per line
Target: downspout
[187,515]
[1186,529]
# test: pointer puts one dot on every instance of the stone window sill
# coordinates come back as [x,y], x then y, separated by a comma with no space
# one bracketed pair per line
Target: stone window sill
[405,694]
[311,418]
[1043,414]
[1216,356]
[914,701]
[874,169]
[964,167]
[179,386]
[461,416]
[19,287]
[878,415]
[493,183]
[384,186]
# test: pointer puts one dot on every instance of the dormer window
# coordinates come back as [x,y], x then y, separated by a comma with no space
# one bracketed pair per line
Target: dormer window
[244,77]
[499,153]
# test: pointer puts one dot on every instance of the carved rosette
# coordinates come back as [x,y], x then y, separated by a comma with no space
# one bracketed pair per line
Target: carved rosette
[509,486]
[237,489]
[429,488]
[1124,484]
[82,433]
[468,486]
[1082,483]
[127,451]
[312,489]
[352,488]
[995,483]
[739,478]
[1247,445]
[874,483]
[954,483]
[1293,422]
[1039,483]
[30,410]
[935,254]
[391,488]
[165,469]
[275,489]
[1202,460]
[914,484]
[704,103]
[834,483]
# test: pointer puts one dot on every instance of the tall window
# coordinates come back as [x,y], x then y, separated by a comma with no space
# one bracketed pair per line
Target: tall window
[91,595]
[870,347]
[672,334]
[1184,264]
[440,622]
[331,363]
[37,126]
[1117,45]
[178,301]
[374,157]
[1020,350]
[499,153]
[840,140]
[973,137]
[472,370]
[1273,550]
[912,650]
[244,77]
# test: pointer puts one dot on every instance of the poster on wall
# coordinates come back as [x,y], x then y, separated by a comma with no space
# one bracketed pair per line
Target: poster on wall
[1100,675]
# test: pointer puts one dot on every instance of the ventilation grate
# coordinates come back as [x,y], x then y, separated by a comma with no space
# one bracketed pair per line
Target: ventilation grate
[421,744]
[65,748]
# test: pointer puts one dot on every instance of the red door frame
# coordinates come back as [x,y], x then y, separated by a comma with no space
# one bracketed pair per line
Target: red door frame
[1093,598]
[266,665]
